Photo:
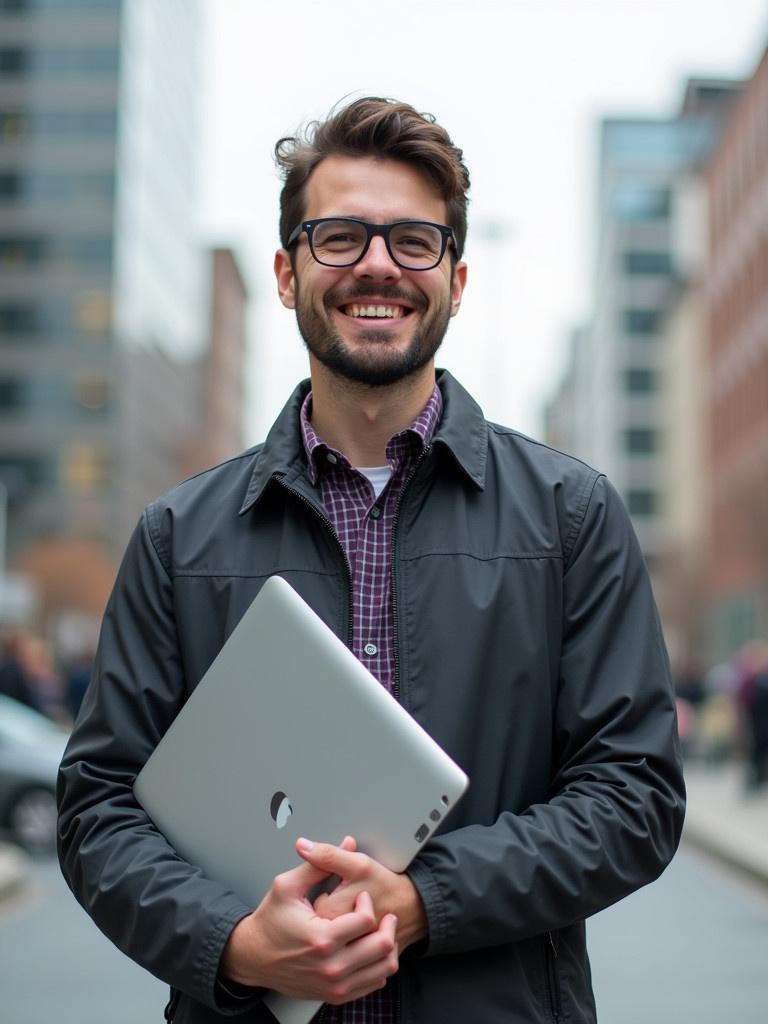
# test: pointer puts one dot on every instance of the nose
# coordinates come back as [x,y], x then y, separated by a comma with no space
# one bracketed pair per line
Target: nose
[377,264]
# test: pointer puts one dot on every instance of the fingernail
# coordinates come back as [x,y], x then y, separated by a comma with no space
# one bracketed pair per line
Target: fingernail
[305,844]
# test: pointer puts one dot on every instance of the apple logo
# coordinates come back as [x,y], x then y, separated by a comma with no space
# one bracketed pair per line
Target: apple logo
[280,809]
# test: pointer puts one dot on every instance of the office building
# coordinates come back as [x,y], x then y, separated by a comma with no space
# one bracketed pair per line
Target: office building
[103,297]
[618,369]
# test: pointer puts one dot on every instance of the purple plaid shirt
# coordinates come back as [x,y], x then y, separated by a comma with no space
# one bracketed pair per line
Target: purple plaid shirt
[364,524]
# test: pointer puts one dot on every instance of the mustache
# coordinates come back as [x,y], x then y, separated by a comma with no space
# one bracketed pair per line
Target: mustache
[339,297]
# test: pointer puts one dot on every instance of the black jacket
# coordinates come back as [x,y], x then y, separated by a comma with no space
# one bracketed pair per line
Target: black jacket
[528,646]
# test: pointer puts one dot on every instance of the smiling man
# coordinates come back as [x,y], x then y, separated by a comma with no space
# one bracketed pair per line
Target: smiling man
[493,585]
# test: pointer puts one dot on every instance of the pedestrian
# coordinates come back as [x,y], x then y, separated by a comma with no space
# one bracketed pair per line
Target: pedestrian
[753,700]
[492,584]
[14,680]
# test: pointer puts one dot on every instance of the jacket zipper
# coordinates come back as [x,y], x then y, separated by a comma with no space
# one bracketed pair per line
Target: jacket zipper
[395,520]
[553,977]
[397,996]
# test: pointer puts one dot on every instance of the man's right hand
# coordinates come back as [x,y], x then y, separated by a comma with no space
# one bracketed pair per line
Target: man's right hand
[284,945]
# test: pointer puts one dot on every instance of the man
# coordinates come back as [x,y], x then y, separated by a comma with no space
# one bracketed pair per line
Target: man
[494,585]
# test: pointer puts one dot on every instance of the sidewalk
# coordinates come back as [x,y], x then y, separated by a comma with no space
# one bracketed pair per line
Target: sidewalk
[725,820]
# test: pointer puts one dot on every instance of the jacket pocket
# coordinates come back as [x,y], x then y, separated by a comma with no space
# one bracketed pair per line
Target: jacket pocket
[172,1005]
[552,970]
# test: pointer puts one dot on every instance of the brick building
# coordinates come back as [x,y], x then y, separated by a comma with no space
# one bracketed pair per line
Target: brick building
[736,374]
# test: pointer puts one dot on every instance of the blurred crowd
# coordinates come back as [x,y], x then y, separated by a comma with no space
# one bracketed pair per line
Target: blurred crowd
[32,674]
[723,712]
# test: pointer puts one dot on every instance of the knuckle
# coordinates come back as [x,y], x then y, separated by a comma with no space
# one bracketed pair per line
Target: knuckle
[281,884]
[321,945]
[332,973]
[392,966]
[337,994]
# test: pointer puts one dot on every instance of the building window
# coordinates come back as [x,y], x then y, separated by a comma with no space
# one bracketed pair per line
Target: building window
[641,441]
[20,319]
[21,252]
[10,185]
[13,60]
[11,393]
[14,125]
[22,473]
[637,201]
[647,262]
[640,381]
[642,321]
[642,503]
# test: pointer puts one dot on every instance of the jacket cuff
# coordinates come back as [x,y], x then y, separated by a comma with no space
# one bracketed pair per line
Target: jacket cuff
[434,907]
[210,991]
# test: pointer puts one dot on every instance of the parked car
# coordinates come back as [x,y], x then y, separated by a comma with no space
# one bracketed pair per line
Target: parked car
[31,747]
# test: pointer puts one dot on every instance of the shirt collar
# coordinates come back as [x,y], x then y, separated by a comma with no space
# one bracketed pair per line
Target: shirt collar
[419,431]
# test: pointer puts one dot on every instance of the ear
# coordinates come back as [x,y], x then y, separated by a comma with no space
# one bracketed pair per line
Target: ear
[458,283]
[286,278]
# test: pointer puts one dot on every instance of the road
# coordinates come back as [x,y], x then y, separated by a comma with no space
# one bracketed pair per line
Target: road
[693,947]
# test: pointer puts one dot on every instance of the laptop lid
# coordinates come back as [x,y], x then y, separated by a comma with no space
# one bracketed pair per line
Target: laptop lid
[289,735]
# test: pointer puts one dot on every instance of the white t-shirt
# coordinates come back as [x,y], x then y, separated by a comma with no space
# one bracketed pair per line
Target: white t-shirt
[378,476]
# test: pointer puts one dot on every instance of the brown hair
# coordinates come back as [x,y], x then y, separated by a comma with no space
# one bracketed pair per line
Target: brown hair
[380,128]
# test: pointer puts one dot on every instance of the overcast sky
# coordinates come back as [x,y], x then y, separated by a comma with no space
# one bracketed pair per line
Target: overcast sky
[520,85]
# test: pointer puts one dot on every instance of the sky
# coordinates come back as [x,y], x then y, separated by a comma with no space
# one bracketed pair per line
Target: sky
[520,85]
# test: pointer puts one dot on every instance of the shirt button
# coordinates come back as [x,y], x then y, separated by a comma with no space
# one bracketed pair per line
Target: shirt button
[375,512]
[371,649]
[331,458]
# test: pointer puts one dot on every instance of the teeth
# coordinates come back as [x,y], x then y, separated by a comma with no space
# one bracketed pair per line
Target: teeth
[391,312]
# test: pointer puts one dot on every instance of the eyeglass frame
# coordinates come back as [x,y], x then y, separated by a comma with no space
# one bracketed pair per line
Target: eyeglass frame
[447,235]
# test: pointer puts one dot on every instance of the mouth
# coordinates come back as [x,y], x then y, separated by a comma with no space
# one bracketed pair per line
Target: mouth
[375,312]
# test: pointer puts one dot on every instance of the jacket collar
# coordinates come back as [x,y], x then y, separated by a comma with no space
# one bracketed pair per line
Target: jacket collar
[462,431]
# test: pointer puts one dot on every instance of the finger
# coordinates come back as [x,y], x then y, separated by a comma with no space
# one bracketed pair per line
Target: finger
[298,881]
[340,901]
[334,860]
[368,961]
[348,843]
[358,922]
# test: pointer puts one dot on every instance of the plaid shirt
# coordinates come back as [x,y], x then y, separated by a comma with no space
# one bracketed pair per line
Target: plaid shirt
[364,525]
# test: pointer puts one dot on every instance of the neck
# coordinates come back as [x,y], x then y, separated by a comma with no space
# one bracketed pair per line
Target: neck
[358,419]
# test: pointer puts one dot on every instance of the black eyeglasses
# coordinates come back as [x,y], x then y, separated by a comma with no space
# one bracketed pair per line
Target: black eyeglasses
[343,241]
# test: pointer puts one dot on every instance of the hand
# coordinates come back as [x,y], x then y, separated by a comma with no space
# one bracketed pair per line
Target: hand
[285,945]
[390,892]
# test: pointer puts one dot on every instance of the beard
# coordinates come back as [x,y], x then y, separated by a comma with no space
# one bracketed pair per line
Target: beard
[374,360]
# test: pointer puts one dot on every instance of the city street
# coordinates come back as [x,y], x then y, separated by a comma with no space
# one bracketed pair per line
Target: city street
[691,947]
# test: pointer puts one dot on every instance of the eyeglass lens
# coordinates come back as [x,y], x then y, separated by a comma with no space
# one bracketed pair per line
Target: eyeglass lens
[413,245]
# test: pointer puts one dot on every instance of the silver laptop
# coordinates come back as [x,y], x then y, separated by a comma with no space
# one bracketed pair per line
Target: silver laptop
[289,735]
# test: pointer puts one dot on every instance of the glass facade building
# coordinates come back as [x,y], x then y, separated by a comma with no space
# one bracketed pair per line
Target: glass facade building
[618,422]
[103,300]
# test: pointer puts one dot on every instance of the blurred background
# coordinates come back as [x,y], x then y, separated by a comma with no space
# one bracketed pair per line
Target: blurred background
[617,308]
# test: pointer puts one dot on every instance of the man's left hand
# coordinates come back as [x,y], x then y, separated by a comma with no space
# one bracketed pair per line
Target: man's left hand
[391,893]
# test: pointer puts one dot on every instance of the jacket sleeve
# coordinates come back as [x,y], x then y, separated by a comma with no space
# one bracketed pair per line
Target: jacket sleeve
[157,908]
[614,817]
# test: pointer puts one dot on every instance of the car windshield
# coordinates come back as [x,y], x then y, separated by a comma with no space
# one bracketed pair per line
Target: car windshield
[22,724]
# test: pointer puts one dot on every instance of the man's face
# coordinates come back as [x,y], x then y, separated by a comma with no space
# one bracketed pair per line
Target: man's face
[332,303]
